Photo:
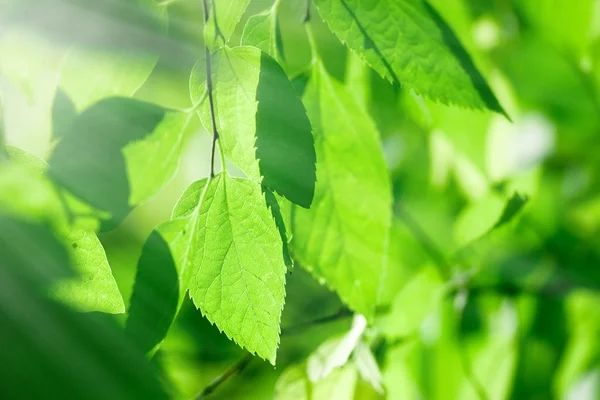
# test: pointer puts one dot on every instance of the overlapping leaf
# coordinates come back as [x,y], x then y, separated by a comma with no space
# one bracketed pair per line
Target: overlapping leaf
[105,157]
[67,354]
[224,17]
[262,124]
[25,191]
[228,252]
[343,237]
[263,31]
[406,41]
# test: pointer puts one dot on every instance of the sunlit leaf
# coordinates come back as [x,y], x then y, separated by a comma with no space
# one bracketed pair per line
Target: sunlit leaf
[408,42]
[343,237]
[262,124]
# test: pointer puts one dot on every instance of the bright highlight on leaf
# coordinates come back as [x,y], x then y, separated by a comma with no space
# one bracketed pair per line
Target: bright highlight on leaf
[93,288]
[406,41]
[238,274]
[262,124]
[229,253]
[343,237]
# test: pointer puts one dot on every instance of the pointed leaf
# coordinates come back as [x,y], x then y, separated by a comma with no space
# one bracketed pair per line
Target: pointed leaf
[25,191]
[407,41]
[262,123]
[94,289]
[156,294]
[229,253]
[343,237]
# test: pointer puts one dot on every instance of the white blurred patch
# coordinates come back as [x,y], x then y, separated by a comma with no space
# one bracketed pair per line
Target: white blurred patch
[516,148]
[335,353]
[431,329]
[505,321]
[393,151]
[486,33]
[535,140]
[586,387]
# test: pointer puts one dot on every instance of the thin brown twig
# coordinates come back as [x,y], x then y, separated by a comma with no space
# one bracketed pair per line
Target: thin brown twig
[341,313]
[232,370]
[209,88]
[242,363]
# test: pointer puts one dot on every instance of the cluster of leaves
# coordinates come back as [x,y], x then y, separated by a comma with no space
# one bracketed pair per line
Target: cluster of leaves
[323,188]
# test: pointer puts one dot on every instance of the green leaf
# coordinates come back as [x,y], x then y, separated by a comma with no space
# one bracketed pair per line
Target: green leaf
[25,191]
[228,13]
[262,124]
[119,63]
[228,251]
[67,354]
[343,237]
[157,294]
[105,157]
[94,288]
[159,152]
[263,31]
[239,276]
[485,216]
[406,41]
[413,303]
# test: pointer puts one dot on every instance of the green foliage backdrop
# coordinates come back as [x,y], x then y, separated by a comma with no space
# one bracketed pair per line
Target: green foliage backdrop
[326,199]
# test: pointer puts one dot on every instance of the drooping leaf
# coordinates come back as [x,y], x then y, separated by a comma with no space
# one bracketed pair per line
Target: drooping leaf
[106,156]
[94,288]
[156,294]
[262,124]
[239,275]
[263,31]
[343,237]
[229,253]
[26,192]
[407,41]
[486,215]
[67,354]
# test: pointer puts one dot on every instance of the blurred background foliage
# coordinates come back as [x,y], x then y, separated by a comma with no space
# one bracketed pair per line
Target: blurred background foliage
[495,251]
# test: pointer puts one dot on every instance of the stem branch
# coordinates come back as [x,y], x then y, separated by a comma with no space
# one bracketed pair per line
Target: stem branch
[242,363]
[209,88]
[233,369]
